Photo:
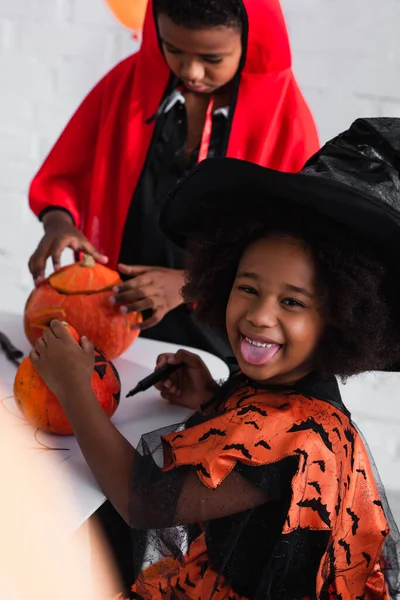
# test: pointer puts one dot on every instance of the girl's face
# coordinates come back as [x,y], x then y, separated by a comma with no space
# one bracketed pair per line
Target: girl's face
[272,318]
[204,59]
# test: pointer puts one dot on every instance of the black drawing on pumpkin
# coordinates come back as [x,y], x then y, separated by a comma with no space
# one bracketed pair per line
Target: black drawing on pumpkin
[101,370]
[99,356]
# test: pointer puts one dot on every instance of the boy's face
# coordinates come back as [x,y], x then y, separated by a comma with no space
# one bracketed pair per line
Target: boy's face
[204,59]
[273,319]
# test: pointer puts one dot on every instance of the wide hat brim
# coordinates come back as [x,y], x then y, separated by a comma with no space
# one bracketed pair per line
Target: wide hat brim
[235,184]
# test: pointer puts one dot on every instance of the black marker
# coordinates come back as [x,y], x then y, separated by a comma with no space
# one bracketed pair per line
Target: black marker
[162,373]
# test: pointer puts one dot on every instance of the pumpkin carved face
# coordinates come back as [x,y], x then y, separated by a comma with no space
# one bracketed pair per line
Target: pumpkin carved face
[79,294]
[41,407]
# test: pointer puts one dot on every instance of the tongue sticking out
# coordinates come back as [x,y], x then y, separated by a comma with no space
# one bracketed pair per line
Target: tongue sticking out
[258,355]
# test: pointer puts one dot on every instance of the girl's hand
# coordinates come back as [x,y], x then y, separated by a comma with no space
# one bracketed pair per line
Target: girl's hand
[63,364]
[192,385]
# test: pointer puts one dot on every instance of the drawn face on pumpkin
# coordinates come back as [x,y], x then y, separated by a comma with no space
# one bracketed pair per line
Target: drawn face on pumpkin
[273,319]
[204,59]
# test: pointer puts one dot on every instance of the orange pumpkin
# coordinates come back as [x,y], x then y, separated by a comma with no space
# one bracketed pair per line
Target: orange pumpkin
[79,294]
[41,407]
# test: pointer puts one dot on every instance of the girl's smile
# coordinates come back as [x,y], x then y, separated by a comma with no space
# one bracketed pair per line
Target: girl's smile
[258,350]
[273,319]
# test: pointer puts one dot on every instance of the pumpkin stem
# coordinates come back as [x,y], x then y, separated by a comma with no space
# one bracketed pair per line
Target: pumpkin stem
[87,261]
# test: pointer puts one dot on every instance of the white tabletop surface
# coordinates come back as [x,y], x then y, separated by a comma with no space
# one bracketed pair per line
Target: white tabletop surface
[137,415]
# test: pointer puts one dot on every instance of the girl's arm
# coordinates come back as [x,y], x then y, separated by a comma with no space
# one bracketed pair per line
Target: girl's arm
[111,459]
[134,484]
[108,454]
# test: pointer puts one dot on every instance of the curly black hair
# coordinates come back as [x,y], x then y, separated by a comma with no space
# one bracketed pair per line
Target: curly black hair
[200,14]
[358,299]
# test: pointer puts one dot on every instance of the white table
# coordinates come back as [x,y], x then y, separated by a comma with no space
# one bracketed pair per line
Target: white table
[135,416]
[373,399]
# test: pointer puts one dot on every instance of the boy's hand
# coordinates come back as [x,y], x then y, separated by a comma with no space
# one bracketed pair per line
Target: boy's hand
[154,288]
[192,385]
[63,364]
[60,233]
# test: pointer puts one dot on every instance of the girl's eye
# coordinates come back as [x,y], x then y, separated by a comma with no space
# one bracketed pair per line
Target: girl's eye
[292,303]
[247,289]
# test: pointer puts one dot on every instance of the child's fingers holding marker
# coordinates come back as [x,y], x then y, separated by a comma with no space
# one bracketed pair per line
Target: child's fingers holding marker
[170,389]
[162,359]
[172,384]
[190,384]
[171,394]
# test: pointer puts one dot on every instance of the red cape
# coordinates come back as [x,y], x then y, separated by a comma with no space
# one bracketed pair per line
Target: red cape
[94,167]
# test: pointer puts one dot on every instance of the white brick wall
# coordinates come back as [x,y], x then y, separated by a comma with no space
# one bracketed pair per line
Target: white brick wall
[51,53]
[347,59]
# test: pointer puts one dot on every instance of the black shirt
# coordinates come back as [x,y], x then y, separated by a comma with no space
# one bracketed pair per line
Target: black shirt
[144,244]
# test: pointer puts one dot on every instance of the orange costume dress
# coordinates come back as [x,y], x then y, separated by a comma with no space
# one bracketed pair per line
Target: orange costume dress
[323,535]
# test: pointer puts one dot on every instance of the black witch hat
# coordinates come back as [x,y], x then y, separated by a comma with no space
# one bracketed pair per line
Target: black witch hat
[354,180]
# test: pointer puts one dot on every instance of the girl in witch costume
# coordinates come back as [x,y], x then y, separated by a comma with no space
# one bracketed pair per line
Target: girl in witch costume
[212,78]
[267,491]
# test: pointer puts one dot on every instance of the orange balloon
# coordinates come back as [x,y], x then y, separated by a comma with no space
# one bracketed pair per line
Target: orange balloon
[130,13]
